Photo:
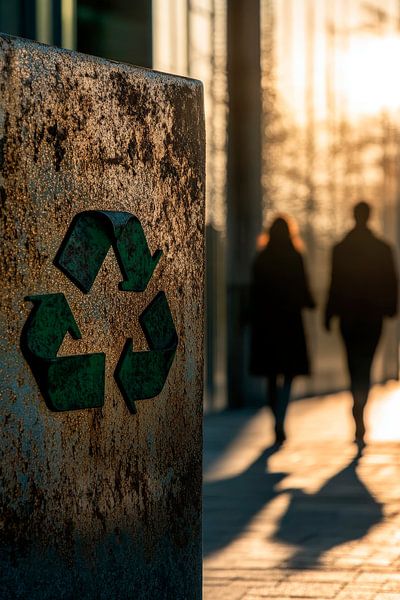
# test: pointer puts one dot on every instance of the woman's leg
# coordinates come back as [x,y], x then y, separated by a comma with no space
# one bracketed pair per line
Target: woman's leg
[272,393]
[282,404]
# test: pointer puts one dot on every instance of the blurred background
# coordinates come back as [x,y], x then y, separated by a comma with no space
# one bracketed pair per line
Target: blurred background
[302,106]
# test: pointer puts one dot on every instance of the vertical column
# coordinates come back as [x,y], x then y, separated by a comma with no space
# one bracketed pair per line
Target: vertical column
[244,181]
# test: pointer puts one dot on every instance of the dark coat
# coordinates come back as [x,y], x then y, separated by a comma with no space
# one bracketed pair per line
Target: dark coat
[364,281]
[279,291]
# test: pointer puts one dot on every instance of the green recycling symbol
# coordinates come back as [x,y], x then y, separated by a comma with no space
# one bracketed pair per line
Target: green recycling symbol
[77,381]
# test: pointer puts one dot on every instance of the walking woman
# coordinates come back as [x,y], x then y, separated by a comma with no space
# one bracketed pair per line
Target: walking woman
[279,292]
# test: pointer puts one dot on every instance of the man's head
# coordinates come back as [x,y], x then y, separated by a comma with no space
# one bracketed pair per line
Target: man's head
[361,212]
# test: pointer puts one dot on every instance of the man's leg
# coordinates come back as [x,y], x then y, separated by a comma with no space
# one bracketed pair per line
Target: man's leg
[360,397]
[361,340]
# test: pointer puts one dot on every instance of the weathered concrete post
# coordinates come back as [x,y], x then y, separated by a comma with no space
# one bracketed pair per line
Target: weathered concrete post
[102,193]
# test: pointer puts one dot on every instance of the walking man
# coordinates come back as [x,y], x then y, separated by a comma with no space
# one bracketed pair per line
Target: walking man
[362,292]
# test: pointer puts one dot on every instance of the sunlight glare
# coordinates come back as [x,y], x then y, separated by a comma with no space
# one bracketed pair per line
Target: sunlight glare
[366,79]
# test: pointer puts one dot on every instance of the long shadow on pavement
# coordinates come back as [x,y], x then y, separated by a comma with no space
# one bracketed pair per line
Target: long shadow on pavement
[341,511]
[221,429]
[230,504]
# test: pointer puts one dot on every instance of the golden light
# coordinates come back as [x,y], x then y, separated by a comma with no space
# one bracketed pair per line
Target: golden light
[366,79]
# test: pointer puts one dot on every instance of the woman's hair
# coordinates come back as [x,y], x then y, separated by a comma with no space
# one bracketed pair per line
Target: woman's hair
[279,231]
[283,231]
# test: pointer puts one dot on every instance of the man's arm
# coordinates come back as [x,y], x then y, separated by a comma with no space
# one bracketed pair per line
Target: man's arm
[331,305]
[390,284]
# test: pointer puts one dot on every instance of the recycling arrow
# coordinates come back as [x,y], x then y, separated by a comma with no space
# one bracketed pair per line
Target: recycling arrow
[142,375]
[66,382]
[90,237]
[76,382]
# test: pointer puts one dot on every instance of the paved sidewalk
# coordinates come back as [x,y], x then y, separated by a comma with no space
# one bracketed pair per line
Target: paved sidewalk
[310,520]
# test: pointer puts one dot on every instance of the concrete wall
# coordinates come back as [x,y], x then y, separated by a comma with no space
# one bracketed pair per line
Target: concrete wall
[99,502]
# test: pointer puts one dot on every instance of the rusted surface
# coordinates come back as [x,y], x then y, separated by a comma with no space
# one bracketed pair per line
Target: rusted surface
[100,503]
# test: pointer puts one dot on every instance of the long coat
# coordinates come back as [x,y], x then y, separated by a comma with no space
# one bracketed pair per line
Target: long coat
[279,291]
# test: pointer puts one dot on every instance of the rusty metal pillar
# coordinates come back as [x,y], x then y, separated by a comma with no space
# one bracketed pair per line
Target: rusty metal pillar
[244,210]
[102,191]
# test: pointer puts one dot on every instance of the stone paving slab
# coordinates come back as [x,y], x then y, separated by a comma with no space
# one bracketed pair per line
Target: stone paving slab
[309,520]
